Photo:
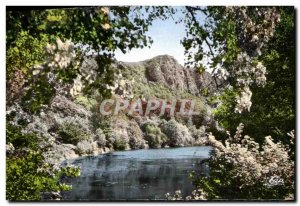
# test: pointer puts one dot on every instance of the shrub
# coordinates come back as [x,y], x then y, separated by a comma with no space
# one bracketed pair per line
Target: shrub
[27,177]
[120,144]
[136,143]
[199,135]
[177,134]
[84,147]
[100,137]
[124,133]
[19,139]
[73,133]
[117,136]
[242,169]
[88,103]
[136,136]
[154,136]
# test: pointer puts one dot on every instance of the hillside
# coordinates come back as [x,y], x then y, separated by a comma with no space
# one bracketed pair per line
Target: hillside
[165,70]
[72,127]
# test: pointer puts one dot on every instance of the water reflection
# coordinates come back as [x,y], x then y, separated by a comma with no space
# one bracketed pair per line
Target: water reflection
[134,175]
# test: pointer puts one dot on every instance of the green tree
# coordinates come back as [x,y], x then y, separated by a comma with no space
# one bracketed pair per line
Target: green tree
[272,113]
[96,31]
[273,109]
[27,174]
[228,41]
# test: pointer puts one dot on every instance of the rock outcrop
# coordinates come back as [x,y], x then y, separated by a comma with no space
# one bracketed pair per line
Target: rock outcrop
[165,69]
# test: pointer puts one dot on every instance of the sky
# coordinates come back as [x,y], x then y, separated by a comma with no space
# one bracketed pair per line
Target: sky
[166,36]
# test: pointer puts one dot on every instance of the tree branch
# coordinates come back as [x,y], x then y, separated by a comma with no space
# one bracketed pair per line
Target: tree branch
[197,8]
[191,11]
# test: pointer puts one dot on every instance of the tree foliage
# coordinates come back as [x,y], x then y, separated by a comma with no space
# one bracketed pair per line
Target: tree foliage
[272,113]
[228,41]
[96,31]
[27,175]
[273,109]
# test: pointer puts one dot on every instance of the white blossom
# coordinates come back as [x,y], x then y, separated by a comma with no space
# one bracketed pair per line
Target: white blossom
[254,163]
[244,101]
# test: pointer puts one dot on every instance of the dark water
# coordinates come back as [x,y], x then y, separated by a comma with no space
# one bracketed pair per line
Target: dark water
[136,175]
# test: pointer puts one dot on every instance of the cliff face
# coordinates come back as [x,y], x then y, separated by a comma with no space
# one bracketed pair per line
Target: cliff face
[166,70]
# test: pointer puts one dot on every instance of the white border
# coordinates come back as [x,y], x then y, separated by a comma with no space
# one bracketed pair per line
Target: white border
[5,3]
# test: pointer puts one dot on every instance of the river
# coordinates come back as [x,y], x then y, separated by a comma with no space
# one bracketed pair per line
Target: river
[137,175]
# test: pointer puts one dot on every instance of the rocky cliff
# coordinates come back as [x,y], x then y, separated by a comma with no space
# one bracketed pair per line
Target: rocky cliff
[166,70]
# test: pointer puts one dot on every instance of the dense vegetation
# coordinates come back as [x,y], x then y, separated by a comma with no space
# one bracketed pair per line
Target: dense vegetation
[250,51]
[29,32]
[273,105]
[26,170]
[240,166]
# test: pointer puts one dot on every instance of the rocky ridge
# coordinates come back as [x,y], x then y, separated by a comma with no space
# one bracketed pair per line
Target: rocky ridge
[166,70]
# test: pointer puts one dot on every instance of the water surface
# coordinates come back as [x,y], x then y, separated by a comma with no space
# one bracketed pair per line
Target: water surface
[137,175]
